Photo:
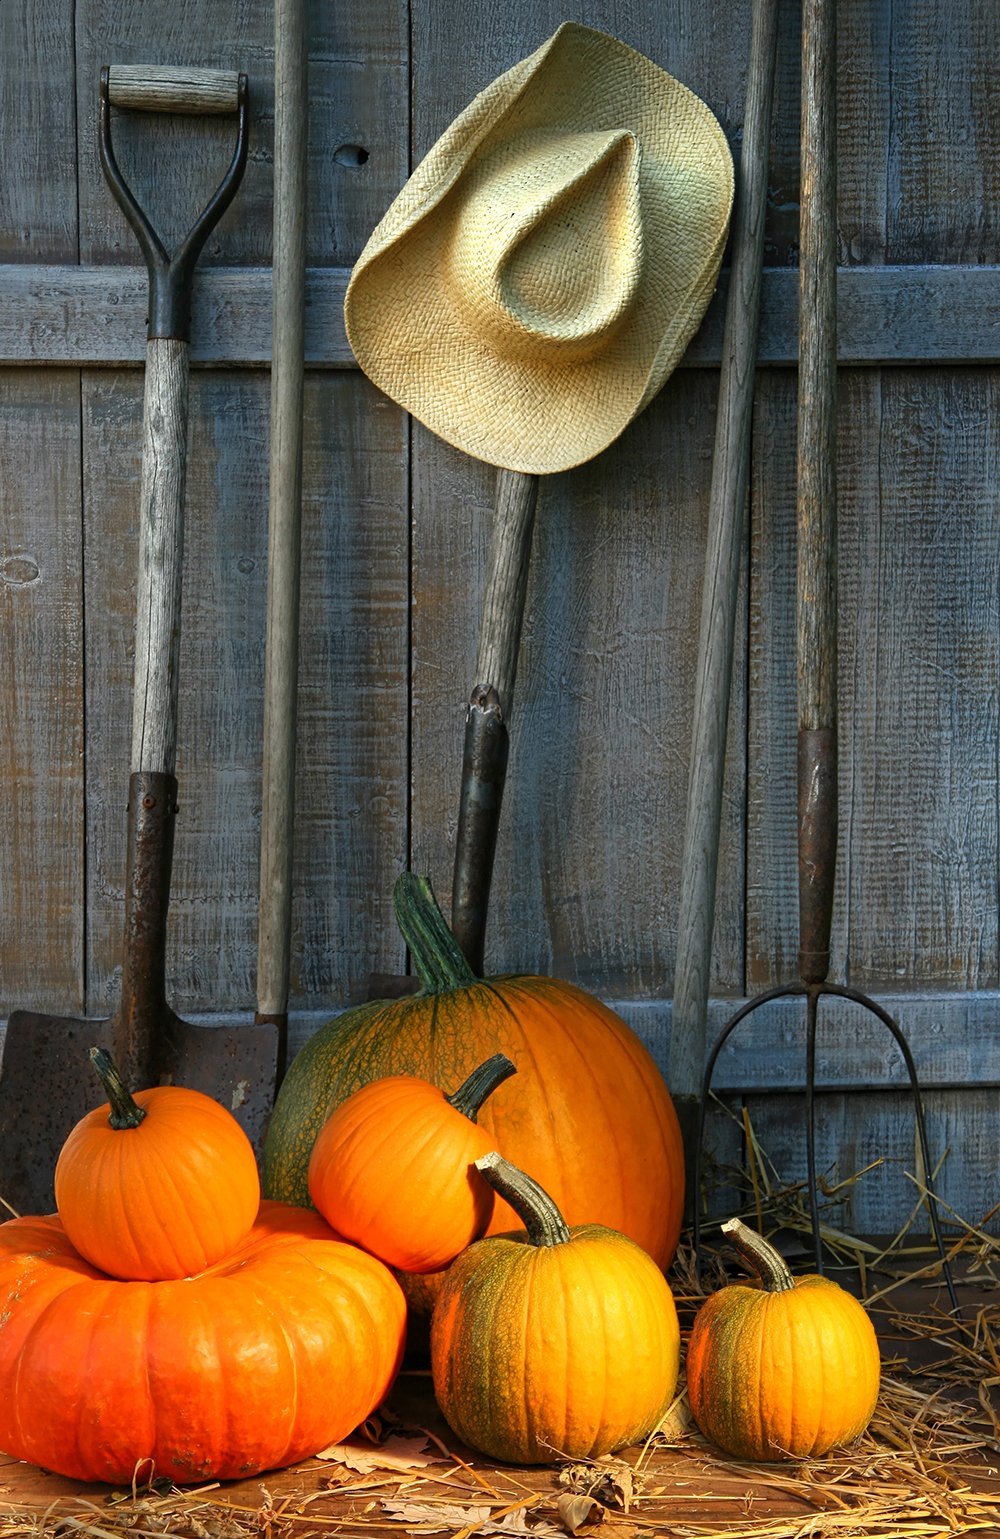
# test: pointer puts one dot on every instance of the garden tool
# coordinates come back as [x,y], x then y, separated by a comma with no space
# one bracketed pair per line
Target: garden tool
[47,1082]
[291,105]
[720,590]
[487,740]
[525,296]
[816,607]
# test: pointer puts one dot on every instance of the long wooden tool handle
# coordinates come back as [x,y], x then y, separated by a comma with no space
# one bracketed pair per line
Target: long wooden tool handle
[484,765]
[161,555]
[816,503]
[291,68]
[720,593]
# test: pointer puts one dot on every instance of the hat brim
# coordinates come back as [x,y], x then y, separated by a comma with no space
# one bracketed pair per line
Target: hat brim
[545,413]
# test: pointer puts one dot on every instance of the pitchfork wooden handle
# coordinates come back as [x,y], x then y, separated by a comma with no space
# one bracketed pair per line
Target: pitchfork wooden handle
[817,491]
[484,765]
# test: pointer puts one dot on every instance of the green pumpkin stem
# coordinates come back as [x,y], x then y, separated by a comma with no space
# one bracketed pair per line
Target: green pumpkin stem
[533,1206]
[435,951]
[762,1258]
[482,1082]
[125,1112]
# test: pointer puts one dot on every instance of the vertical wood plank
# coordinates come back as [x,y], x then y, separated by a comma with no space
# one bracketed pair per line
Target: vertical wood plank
[38,213]
[920,602]
[41,693]
[916,890]
[585,880]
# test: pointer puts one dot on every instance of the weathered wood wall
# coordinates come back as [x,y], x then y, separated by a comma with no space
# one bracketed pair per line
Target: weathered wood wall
[395,532]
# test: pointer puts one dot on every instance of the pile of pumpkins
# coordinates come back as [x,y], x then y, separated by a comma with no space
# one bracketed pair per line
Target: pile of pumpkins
[171,1322]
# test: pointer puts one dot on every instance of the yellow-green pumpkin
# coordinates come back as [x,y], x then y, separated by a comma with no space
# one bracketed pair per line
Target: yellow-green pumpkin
[784,1369]
[587,1113]
[553,1341]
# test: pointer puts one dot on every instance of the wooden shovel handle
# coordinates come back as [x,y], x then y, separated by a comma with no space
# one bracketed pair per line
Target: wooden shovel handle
[161,556]
[173,88]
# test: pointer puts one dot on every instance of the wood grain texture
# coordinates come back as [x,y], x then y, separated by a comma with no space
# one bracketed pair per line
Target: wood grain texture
[38,215]
[724,547]
[350,834]
[161,556]
[358,113]
[162,88]
[75,315]
[585,879]
[507,573]
[284,516]
[916,886]
[41,694]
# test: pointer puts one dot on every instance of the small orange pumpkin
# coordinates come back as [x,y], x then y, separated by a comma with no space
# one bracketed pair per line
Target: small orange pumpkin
[784,1369]
[552,1342]
[393,1167]
[261,1361]
[157,1185]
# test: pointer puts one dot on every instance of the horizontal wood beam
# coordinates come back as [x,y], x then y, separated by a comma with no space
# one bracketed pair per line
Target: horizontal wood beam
[954,1039]
[96,315]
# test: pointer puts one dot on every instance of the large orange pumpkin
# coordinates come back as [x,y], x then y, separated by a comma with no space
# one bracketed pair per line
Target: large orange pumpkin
[552,1342]
[587,1113]
[262,1360]
[156,1185]
[784,1369]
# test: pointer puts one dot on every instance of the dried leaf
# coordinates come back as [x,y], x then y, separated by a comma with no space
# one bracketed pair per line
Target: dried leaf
[435,1517]
[396,1453]
[677,1421]
[610,1480]
[516,1522]
[575,1511]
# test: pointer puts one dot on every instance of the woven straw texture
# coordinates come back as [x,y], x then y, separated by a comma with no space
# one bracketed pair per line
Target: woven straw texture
[542,271]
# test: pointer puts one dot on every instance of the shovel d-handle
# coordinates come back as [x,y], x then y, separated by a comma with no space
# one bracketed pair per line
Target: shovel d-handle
[484,764]
[195,92]
[165,408]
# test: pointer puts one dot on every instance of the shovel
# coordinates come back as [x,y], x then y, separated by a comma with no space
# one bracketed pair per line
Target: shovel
[47,1083]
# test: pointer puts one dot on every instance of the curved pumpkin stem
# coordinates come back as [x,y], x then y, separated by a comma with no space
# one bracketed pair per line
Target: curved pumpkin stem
[762,1258]
[436,953]
[533,1206]
[481,1083]
[125,1112]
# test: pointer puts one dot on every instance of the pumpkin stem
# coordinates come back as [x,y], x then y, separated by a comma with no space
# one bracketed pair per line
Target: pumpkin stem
[125,1112]
[436,953]
[533,1206]
[762,1258]
[482,1082]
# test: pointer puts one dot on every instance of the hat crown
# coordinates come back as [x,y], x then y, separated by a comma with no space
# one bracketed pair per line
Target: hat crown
[547,248]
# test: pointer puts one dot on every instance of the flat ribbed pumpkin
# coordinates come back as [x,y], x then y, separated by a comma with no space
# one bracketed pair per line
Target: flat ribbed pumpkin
[393,1167]
[157,1185]
[785,1369]
[553,1342]
[587,1113]
[262,1360]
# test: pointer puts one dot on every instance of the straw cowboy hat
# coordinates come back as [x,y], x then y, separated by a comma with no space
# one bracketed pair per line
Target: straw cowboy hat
[543,270]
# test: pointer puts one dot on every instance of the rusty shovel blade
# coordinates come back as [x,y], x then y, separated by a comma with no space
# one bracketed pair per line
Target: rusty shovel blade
[46,1081]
